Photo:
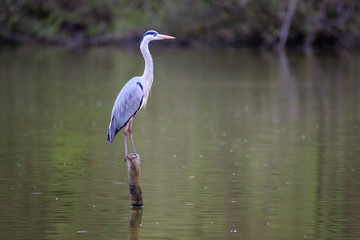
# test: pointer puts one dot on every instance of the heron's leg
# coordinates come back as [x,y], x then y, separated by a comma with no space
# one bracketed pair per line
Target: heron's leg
[131,137]
[125,135]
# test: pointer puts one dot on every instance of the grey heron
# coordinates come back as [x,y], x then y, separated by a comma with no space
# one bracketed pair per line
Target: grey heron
[134,95]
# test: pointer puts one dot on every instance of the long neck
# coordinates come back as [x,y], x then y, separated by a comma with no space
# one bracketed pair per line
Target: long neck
[148,75]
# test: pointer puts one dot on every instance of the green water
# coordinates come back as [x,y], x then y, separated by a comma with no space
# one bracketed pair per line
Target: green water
[234,145]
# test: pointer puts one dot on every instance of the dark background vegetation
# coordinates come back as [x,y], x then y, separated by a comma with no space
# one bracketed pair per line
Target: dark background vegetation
[265,24]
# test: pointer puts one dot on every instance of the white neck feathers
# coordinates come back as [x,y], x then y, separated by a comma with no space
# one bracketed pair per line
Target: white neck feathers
[148,75]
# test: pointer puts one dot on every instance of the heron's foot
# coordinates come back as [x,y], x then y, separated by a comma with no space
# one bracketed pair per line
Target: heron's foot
[131,156]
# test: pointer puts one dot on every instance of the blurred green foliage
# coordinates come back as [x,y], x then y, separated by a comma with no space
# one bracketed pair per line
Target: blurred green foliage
[260,23]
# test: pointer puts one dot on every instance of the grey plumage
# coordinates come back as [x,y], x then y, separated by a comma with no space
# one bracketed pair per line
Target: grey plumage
[127,104]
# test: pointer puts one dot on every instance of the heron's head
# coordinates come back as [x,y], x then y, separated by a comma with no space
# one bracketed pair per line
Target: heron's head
[154,35]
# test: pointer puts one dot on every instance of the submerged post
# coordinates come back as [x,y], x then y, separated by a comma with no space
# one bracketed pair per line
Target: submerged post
[135,224]
[133,166]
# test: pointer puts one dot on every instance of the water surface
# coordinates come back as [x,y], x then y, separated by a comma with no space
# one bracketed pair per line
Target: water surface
[234,145]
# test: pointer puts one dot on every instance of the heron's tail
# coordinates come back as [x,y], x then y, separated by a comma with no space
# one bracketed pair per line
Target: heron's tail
[109,137]
[112,132]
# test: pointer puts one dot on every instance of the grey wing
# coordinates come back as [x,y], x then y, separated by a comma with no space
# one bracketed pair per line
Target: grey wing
[127,104]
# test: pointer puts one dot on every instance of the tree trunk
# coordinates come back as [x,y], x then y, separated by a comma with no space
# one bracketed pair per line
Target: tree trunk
[284,31]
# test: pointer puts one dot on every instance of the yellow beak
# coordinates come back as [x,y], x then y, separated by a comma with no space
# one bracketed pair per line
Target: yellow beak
[165,36]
